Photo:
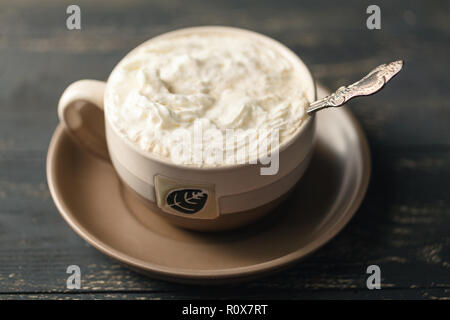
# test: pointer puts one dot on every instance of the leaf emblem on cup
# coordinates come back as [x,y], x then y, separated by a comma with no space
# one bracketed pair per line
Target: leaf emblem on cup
[188,201]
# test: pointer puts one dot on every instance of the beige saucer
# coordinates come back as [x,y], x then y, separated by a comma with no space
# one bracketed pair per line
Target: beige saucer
[102,211]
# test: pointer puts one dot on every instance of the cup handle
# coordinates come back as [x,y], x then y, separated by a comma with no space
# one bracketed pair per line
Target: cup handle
[80,110]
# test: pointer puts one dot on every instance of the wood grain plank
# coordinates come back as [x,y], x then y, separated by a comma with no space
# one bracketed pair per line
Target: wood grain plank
[401,227]
[403,224]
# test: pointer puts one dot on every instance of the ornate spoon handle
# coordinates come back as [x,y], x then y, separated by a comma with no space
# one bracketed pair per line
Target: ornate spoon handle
[368,85]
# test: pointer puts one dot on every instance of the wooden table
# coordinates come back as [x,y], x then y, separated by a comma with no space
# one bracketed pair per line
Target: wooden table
[403,224]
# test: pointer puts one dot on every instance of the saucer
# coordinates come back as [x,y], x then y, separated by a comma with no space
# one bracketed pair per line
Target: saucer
[94,202]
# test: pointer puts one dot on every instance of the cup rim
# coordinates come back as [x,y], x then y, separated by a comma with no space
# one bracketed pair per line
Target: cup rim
[285,50]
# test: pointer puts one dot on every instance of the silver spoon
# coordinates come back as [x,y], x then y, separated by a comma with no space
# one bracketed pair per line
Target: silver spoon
[368,85]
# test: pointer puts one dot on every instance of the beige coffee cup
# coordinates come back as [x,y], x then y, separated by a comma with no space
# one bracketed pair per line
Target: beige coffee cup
[227,196]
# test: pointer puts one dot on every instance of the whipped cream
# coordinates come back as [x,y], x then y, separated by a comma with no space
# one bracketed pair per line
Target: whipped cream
[216,81]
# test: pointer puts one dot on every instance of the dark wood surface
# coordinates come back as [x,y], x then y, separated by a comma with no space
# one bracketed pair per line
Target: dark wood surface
[403,224]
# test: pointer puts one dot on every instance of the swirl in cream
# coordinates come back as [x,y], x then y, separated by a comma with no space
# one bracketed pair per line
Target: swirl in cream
[222,81]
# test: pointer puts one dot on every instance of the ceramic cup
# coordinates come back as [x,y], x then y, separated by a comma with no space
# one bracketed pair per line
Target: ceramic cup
[232,195]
